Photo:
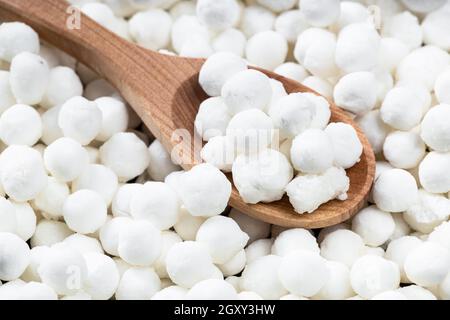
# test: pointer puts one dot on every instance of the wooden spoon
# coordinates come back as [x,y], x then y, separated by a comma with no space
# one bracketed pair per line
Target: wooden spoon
[165,93]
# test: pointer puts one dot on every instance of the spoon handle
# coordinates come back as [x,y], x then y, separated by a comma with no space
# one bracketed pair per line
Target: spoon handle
[117,60]
[156,86]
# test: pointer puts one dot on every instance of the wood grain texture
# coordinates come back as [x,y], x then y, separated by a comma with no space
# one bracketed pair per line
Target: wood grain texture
[165,93]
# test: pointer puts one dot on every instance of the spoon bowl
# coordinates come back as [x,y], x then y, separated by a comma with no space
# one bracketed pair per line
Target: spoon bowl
[164,92]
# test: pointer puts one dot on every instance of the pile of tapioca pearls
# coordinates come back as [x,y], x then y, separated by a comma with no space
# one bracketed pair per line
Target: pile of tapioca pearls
[257,131]
[79,219]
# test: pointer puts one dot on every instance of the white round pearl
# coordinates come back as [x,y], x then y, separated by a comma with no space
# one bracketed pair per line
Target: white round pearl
[312,152]
[102,276]
[26,220]
[212,289]
[266,268]
[63,269]
[419,269]
[139,243]
[83,244]
[320,13]
[217,69]
[52,198]
[222,237]
[49,232]
[157,203]
[23,174]
[256,19]
[212,118]
[267,49]
[395,190]
[188,263]
[29,76]
[355,92]
[8,218]
[373,225]
[371,275]
[398,250]
[120,206]
[292,114]
[218,15]
[342,246]
[207,183]
[262,177]
[435,129]
[357,47]
[138,284]
[15,38]
[98,178]
[434,172]
[160,163]
[50,128]
[80,119]
[293,240]
[125,154]
[346,145]
[404,150]
[63,84]
[151,29]
[248,89]
[14,120]
[338,286]
[109,234]
[14,256]
[84,211]
[114,117]
[66,159]
[168,240]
